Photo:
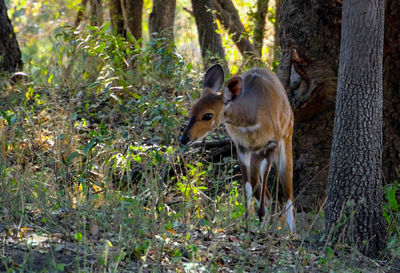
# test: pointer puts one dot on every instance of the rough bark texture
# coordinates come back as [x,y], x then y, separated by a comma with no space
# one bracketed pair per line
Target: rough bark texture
[228,15]
[309,38]
[116,16]
[10,55]
[259,25]
[96,12]
[356,158]
[133,17]
[391,99]
[209,40]
[162,18]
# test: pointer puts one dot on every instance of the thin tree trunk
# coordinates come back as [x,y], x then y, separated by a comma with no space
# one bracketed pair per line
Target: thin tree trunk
[209,40]
[259,28]
[117,18]
[133,17]
[81,12]
[309,38]
[10,55]
[356,158]
[391,99]
[162,18]
[228,15]
[96,12]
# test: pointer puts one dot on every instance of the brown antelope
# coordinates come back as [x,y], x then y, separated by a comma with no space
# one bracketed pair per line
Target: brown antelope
[258,117]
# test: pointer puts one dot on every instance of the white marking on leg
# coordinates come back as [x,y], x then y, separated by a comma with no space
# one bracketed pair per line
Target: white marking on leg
[290,215]
[248,190]
[280,160]
[263,168]
[245,159]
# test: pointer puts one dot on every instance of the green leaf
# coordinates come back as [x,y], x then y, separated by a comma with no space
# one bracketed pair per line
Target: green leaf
[71,157]
[90,145]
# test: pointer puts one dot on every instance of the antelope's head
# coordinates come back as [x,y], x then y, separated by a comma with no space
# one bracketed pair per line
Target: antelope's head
[206,113]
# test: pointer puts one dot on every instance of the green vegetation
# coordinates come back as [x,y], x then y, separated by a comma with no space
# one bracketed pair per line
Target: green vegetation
[92,178]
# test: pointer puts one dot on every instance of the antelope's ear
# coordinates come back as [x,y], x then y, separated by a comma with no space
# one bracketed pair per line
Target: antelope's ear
[233,88]
[213,79]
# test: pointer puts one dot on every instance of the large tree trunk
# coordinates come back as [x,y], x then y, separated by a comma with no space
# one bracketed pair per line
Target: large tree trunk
[229,17]
[209,40]
[259,25]
[309,38]
[96,12]
[133,17]
[162,18]
[356,158]
[10,55]
[116,17]
[391,99]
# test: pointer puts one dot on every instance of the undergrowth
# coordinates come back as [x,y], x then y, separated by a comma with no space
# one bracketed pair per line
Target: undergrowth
[90,160]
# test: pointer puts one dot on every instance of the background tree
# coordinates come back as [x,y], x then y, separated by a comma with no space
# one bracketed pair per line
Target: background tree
[162,18]
[116,17]
[10,55]
[309,38]
[259,25]
[356,161]
[96,12]
[209,40]
[133,17]
[229,17]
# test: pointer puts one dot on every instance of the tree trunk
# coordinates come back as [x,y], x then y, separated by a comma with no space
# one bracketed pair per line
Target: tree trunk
[209,40]
[116,17]
[81,12]
[228,15]
[162,18]
[133,17]
[356,158]
[10,55]
[96,12]
[309,38]
[259,28]
[391,99]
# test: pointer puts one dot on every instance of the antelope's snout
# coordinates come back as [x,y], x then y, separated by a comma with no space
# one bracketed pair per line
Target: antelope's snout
[184,139]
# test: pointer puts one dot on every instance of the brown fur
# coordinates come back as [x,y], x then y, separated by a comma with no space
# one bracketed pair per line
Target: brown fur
[256,112]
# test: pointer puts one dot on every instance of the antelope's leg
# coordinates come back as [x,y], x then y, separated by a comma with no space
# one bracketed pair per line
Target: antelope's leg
[265,167]
[286,171]
[244,162]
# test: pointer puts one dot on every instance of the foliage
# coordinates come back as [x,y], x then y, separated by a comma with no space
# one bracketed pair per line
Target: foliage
[91,175]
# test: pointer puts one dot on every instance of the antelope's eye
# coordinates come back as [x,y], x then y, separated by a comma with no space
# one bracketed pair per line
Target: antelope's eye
[207,116]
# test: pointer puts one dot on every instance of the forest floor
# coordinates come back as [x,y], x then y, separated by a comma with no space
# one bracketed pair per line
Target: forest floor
[30,249]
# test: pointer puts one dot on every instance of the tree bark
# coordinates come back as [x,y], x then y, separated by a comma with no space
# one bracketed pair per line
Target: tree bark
[133,17]
[10,55]
[228,15]
[356,157]
[81,11]
[162,18]
[209,40]
[391,99]
[309,38]
[96,12]
[259,25]
[116,17]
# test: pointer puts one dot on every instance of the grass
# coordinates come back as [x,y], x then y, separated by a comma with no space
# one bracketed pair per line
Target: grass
[92,178]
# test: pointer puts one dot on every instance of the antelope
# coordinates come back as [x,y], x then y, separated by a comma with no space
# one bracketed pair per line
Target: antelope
[258,117]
